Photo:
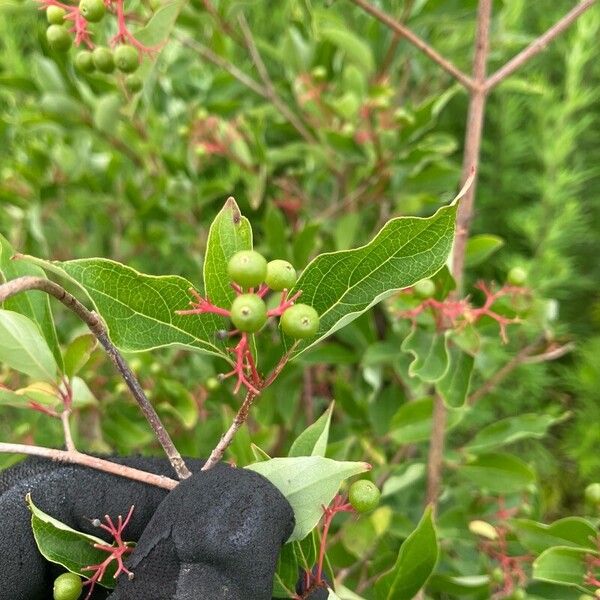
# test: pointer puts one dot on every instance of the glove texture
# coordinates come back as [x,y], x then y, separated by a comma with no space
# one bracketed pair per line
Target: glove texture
[216,536]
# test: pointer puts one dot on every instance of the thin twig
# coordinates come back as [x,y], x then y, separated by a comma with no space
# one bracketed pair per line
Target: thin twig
[273,96]
[539,44]
[69,443]
[415,40]
[78,458]
[96,326]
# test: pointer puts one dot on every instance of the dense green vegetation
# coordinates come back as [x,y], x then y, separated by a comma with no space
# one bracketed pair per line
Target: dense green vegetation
[350,129]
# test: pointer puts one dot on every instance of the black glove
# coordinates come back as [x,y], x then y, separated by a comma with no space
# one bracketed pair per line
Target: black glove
[216,536]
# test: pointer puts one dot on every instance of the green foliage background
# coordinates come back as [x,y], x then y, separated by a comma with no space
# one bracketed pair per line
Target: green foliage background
[85,171]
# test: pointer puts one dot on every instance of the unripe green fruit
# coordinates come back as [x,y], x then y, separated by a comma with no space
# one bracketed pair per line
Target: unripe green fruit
[300,321]
[92,10]
[59,38]
[364,496]
[248,312]
[133,83]
[592,493]
[212,384]
[67,586]
[424,289]
[518,594]
[84,61]
[103,60]
[127,58]
[498,575]
[247,268]
[517,276]
[55,15]
[281,275]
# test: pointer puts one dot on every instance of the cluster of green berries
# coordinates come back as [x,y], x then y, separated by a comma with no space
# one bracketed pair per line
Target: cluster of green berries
[249,270]
[124,57]
[67,586]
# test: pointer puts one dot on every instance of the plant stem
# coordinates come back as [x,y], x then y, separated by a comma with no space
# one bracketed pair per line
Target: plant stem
[69,443]
[539,44]
[78,458]
[96,326]
[415,40]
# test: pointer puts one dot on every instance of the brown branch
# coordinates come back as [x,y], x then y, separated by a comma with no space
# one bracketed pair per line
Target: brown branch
[96,326]
[415,40]
[538,45]
[77,458]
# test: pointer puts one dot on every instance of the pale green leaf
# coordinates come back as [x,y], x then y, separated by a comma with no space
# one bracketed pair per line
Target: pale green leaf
[416,561]
[23,348]
[563,565]
[500,473]
[33,304]
[481,247]
[453,387]
[343,285]
[308,483]
[512,429]
[570,531]
[82,395]
[313,440]
[78,352]
[430,354]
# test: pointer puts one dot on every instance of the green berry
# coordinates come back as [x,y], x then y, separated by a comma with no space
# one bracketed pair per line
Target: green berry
[300,321]
[127,59]
[55,15]
[92,10]
[59,38]
[133,83]
[592,494]
[364,496]
[498,575]
[67,586]
[247,268]
[518,594]
[212,384]
[248,312]
[424,289]
[281,275]
[103,59]
[517,276]
[84,61]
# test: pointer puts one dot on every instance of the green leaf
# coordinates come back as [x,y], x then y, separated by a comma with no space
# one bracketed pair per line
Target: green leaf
[107,112]
[259,454]
[355,48]
[481,247]
[313,440]
[563,565]
[430,352]
[33,304]
[82,395]
[72,549]
[40,392]
[78,352]
[416,561]
[412,423]
[570,531]
[158,29]
[308,483]
[512,429]
[453,387]
[139,310]
[500,473]
[286,573]
[23,348]
[229,233]
[343,285]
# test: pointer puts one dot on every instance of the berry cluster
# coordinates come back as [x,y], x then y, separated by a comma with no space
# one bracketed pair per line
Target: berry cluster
[252,278]
[123,53]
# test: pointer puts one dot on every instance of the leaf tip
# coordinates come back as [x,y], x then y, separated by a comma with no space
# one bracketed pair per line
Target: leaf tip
[231,205]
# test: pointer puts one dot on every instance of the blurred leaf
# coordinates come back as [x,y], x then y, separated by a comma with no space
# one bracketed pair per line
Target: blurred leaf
[453,387]
[313,440]
[82,395]
[416,561]
[512,429]
[107,112]
[570,531]
[562,565]
[158,29]
[499,473]
[308,483]
[481,247]
[430,352]
[78,353]
[23,348]
[355,48]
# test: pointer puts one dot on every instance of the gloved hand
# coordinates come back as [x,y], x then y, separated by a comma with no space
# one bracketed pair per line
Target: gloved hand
[215,536]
